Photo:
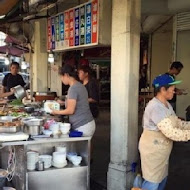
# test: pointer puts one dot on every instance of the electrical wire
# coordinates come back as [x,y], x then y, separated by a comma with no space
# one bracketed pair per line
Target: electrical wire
[11,164]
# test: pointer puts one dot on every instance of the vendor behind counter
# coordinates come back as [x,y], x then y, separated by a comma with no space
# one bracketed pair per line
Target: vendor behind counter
[12,79]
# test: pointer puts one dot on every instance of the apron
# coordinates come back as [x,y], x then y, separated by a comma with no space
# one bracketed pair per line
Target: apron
[155,151]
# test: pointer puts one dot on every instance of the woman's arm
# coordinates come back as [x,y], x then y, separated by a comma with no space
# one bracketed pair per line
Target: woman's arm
[62,103]
[2,95]
[70,110]
[170,130]
[91,100]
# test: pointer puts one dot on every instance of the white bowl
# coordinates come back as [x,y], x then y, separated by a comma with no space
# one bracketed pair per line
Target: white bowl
[32,157]
[76,159]
[62,149]
[54,127]
[76,163]
[59,157]
[70,155]
[47,132]
[64,131]
[65,125]
[59,165]
[47,159]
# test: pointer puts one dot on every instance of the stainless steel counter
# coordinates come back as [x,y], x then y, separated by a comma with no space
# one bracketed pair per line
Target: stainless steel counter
[67,178]
[44,140]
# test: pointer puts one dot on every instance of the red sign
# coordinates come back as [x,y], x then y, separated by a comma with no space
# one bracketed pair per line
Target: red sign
[66,24]
[94,21]
[71,27]
[49,34]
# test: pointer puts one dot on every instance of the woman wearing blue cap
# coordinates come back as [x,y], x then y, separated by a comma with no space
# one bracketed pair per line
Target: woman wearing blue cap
[161,128]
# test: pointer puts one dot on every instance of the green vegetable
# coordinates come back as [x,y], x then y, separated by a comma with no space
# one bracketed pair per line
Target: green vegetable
[17,102]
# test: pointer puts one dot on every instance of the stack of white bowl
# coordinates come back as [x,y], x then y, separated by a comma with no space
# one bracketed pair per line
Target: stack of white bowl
[47,159]
[62,149]
[32,159]
[72,157]
[65,128]
[59,159]
[54,128]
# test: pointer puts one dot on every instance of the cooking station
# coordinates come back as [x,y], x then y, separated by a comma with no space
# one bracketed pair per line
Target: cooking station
[16,155]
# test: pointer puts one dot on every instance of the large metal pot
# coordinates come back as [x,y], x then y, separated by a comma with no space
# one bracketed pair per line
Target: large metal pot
[19,92]
[33,129]
[34,121]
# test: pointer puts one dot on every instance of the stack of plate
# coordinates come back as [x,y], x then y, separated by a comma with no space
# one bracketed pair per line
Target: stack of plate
[32,159]
[47,159]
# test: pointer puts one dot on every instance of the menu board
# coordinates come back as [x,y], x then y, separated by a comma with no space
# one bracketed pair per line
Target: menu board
[66,24]
[53,33]
[76,27]
[88,23]
[82,25]
[94,21]
[61,27]
[49,33]
[71,27]
[57,32]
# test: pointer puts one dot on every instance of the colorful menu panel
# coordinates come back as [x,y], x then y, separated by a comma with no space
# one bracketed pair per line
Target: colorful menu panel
[53,32]
[95,21]
[66,24]
[76,26]
[82,25]
[61,26]
[49,34]
[88,23]
[61,30]
[71,27]
[57,27]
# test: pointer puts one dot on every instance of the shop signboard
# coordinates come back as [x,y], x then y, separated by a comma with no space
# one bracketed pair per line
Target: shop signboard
[71,27]
[61,31]
[49,34]
[66,24]
[82,25]
[95,21]
[76,27]
[53,33]
[88,32]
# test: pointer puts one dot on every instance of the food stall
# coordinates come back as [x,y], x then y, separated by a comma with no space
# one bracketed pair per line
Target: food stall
[36,159]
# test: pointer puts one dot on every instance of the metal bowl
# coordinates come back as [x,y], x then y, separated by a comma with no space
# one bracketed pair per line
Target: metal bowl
[19,92]
[29,109]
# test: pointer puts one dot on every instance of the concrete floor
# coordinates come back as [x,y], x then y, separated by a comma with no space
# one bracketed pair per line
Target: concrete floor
[101,151]
[179,171]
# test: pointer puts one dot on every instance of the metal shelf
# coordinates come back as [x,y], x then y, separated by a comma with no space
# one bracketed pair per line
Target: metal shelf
[68,166]
[44,140]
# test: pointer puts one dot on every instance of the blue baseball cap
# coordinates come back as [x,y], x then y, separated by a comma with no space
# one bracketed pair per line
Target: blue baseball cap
[163,80]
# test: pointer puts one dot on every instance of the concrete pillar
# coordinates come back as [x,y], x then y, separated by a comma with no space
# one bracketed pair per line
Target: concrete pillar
[124,92]
[40,63]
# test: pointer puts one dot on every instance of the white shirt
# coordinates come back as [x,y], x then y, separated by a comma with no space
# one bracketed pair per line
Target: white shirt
[155,112]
